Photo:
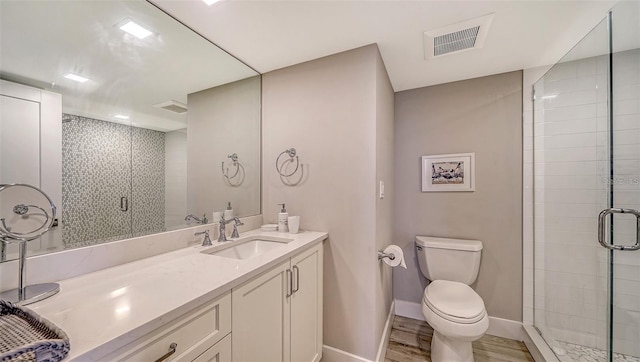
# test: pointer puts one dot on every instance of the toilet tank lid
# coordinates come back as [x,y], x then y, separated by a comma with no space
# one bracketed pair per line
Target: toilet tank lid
[445,243]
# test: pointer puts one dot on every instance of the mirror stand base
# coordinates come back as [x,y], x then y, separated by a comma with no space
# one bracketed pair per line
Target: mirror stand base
[32,293]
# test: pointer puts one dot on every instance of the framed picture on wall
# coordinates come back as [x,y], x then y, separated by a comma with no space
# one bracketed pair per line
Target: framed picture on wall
[454,172]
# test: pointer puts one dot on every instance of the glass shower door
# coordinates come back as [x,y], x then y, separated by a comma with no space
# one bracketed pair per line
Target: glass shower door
[571,169]
[622,229]
[587,159]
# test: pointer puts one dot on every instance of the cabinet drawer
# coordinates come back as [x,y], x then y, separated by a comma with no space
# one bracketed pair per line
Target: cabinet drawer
[221,352]
[193,333]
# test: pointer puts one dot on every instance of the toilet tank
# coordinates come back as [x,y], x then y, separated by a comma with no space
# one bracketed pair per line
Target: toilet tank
[456,260]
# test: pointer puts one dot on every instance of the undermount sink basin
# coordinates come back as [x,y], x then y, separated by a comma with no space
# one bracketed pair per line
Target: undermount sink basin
[247,248]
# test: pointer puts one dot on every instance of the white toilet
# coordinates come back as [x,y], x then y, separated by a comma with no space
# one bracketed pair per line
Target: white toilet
[454,310]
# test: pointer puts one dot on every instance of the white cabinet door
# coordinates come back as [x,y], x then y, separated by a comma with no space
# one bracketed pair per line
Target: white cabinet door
[277,316]
[306,306]
[260,318]
[221,352]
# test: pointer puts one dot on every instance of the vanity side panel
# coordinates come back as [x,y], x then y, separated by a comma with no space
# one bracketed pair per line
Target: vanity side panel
[306,306]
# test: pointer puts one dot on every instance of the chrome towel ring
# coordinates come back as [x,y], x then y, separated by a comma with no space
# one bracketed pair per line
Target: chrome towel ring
[239,170]
[292,154]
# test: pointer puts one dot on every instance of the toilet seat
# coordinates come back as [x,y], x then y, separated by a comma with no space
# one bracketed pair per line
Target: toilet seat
[454,301]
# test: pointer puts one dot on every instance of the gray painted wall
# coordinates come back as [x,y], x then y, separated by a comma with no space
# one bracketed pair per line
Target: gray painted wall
[384,207]
[331,110]
[221,121]
[175,178]
[484,116]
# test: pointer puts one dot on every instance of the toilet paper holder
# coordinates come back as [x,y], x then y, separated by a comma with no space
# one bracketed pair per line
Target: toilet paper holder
[382,255]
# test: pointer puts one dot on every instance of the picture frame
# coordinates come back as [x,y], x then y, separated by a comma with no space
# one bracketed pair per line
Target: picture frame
[451,172]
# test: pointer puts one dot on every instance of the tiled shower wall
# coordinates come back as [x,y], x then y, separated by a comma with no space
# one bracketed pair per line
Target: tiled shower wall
[571,167]
[101,163]
[148,182]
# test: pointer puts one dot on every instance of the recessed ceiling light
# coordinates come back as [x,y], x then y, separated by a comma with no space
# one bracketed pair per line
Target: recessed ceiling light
[121,116]
[134,29]
[210,2]
[76,77]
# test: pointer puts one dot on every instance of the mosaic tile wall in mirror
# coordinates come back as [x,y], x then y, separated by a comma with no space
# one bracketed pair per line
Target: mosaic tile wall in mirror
[114,152]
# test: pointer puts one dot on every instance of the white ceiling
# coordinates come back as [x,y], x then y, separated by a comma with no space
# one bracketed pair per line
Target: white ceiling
[269,35]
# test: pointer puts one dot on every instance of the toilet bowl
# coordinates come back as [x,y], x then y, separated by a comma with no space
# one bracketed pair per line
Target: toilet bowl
[453,309]
[458,317]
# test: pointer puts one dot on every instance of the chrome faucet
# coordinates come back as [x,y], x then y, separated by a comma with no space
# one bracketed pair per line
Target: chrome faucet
[198,220]
[207,240]
[223,226]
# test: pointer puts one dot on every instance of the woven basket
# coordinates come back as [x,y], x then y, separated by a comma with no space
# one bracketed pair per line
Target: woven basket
[25,336]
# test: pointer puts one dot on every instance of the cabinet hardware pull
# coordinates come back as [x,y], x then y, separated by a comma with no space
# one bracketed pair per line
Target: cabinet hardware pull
[172,350]
[290,282]
[295,267]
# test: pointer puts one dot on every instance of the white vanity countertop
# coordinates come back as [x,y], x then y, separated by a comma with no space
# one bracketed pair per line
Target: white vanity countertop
[105,310]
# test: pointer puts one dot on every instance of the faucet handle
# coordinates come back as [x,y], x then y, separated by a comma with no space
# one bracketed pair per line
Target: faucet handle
[222,237]
[235,234]
[237,223]
[207,240]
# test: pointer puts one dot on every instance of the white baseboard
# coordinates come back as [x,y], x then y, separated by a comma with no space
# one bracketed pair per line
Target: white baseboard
[409,309]
[506,328]
[386,332]
[498,327]
[331,354]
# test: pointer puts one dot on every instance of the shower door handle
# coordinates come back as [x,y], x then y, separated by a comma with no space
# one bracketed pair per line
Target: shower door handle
[602,221]
[124,204]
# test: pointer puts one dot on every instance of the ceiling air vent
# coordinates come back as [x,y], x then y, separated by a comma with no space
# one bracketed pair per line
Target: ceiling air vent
[454,38]
[173,106]
[455,42]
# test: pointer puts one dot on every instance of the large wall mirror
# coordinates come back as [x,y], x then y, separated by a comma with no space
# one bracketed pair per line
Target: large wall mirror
[126,118]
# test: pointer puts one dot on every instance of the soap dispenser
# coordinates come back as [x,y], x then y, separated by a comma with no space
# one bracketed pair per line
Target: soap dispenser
[228,213]
[283,224]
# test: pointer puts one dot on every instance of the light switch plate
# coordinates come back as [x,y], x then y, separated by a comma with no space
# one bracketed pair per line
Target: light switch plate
[382,189]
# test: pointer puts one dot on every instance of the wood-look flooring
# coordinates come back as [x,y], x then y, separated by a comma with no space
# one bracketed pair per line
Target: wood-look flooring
[411,341]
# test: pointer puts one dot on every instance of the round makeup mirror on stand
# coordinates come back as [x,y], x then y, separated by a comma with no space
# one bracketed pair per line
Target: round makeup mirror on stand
[26,213]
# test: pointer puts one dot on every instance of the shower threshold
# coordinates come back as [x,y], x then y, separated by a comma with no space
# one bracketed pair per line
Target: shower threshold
[578,353]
